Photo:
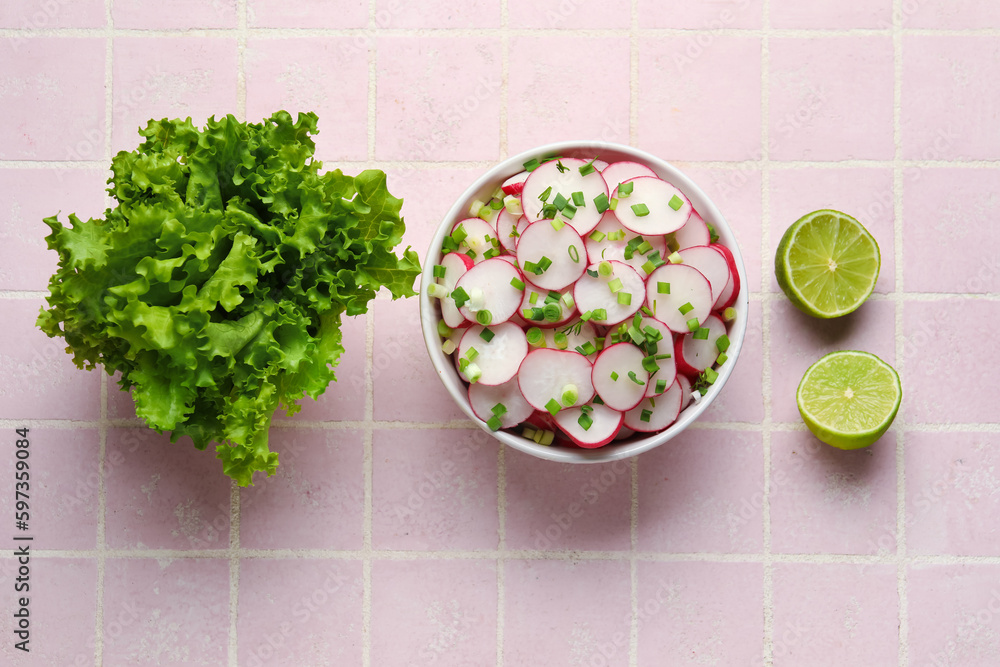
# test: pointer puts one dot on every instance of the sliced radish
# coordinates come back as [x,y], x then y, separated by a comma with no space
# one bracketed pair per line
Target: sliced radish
[685,385]
[541,419]
[604,243]
[554,375]
[507,230]
[694,232]
[624,432]
[573,336]
[455,265]
[619,377]
[515,183]
[679,296]
[504,401]
[695,354]
[619,172]
[496,360]
[661,380]
[711,264]
[546,308]
[494,288]
[563,177]
[551,258]
[653,207]
[596,292]
[732,289]
[478,238]
[656,414]
[590,426]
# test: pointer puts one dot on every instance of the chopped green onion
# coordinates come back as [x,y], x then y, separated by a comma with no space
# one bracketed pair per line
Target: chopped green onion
[560,202]
[644,247]
[585,421]
[587,169]
[557,224]
[561,340]
[676,202]
[496,204]
[722,343]
[686,308]
[625,189]
[675,258]
[443,329]
[552,297]
[460,296]
[569,211]
[471,253]
[701,333]
[484,317]
[473,372]
[486,334]
[548,212]
[661,386]
[574,254]
[492,252]
[723,358]
[570,394]
[448,245]
[513,205]
[485,213]
[641,210]
[591,273]
[528,432]
[561,167]
[597,400]
[438,271]
[713,235]
[544,438]
[710,375]
[649,363]
[516,284]
[471,354]
[543,264]
[693,324]
[636,335]
[633,378]
[599,314]
[553,313]
[616,235]
[494,423]
[615,285]
[553,407]
[597,236]
[448,346]
[614,203]
[531,267]
[545,194]
[648,266]
[579,199]
[586,349]
[614,376]
[652,335]
[587,315]
[531,164]
[605,268]
[645,415]
[601,202]
[567,300]
[662,288]
[476,207]
[729,314]
[499,409]
[459,234]
[535,337]
[437,291]
[533,298]
[624,299]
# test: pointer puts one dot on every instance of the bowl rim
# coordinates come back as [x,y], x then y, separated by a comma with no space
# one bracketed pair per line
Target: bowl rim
[482,188]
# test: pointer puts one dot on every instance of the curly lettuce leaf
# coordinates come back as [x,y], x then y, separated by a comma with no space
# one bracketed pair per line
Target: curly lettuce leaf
[217,284]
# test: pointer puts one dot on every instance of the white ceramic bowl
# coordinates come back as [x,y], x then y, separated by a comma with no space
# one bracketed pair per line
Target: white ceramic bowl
[482,189]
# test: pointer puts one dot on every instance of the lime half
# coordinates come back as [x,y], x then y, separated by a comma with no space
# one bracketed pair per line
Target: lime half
[827,264]
[848,399]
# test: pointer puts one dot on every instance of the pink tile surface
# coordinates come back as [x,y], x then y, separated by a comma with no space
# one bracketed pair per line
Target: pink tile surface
[434,612]
[824,500]
[339,14]
[700,15]
[42,14]
[428,195]
[700,613]
[299,612]
[434,489]
[831,613]
[177,611]
[471,14]
[173,14]
[314,500]
[558,14]
[951,14]
[553,620]
[827,14]
[700,103]
[952,493]
[817,113]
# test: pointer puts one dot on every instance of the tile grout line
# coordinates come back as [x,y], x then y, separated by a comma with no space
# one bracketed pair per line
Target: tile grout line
[765,241]
[501,622]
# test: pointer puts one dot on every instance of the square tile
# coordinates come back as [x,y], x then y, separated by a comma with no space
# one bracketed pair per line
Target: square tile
[949,239]
[702,105]
[325,75]
[799,340]
[953,494]
[828,614]
[817,113]
[831,14]
[954,614]
[741,399]
[700,613]
[43,14]
[561,506]
[824,500]
[437,15]
[702,492]
[935,346]
[951,14]
[61,486]
[438,98]
[179,611]
[314,500]
[42,382]
[553,620]
[434,490]
[704,15]
[428,194]
[48,93]
[62,608]
[299,612]
[170,77]
[562,15]
[405,383]
[434,611]
[121,405]
[26,263]
[561,112]
[173,14]
[165,496]
[946,112]
[866,194]
[313,14]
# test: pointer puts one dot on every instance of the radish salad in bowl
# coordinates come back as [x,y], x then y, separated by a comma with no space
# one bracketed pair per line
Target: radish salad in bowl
[584,302]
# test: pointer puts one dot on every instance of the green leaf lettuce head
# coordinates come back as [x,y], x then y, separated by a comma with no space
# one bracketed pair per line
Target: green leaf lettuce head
[217,284]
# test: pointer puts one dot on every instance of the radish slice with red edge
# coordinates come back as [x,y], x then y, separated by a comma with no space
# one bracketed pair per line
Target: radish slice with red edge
[551,258]
[515,183]
[685,385]
[455,266]
[679,296]
[609,292]
[711,264]
[507,230]
[476,238]
[732,289]
[492,358]
[619,172]
[694,232]
[556,182]
[549,378]
[656,414]
[652,207]
[500,405]
[619,376]
[661,379]
[610,241]
[590,426]
[546,308]
[695,353]
[493,288]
